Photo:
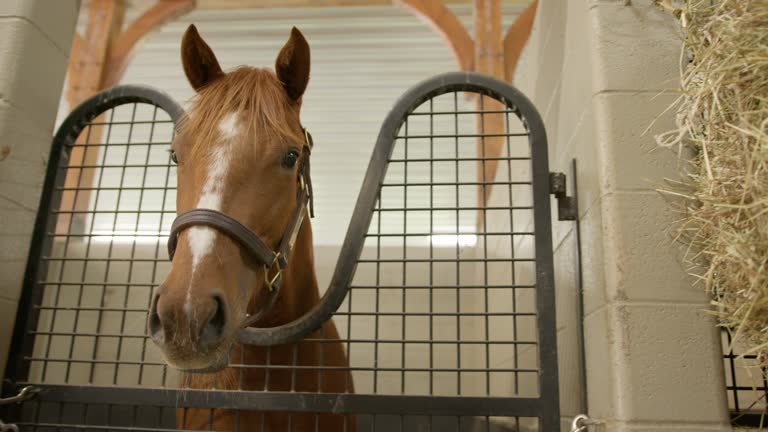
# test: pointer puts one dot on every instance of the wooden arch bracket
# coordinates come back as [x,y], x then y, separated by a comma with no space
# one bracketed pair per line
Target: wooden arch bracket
[100,57]
[516,37]
[435,14]
[124,47]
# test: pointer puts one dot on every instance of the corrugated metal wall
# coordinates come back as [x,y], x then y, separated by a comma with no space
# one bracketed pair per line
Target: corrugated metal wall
[363,59]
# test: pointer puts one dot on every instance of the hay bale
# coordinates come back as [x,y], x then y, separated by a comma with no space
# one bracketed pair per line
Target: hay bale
[723,115]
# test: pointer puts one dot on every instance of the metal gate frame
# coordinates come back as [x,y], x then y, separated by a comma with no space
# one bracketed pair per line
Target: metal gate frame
[545,406]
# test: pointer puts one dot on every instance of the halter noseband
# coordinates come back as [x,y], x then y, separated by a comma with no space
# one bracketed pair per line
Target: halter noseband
[250,241]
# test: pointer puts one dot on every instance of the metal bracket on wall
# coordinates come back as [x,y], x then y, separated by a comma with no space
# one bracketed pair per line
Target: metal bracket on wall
[566,205]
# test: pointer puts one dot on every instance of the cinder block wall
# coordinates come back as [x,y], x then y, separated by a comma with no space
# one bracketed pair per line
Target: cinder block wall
[35,39]
[597,71]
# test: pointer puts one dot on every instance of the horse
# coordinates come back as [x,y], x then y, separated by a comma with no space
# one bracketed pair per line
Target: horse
[241,151]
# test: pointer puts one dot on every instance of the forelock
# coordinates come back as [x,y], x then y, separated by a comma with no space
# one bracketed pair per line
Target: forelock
[254,95]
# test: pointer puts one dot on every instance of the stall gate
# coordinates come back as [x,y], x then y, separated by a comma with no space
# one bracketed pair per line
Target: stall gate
[449,317]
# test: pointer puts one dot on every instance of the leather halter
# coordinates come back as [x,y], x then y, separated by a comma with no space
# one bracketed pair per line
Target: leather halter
[250,241]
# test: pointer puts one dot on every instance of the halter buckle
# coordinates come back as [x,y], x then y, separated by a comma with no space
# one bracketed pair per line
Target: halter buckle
[271,281]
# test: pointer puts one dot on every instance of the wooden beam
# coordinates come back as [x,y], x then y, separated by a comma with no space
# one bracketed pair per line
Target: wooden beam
[90,52]
[516,38]
[85,78]
[74,68]
[444,22]
[489,59]
[124,47]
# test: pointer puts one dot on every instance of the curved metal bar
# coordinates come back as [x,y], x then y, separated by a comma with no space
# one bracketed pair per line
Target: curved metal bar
[377,167]
[107,99]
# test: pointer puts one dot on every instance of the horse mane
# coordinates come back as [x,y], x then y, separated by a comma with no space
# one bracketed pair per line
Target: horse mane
[255,94]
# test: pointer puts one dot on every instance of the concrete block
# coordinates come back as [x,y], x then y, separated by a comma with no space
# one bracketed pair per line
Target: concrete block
[634,48]
[18,221]
[603,384]
[560,229]
[589,165]
[631,158]
[576,75]
[31,70]
[20,195]
[593,266]
[13,277]
[23,139]
[22,171]
[549,68]
[641,261]
[24,168]
[566,281]
[550,113]
[14,247]
[15,232]
[54,19]
[551,15]
[668,355]
[654,363]
[568,324]
[7,319]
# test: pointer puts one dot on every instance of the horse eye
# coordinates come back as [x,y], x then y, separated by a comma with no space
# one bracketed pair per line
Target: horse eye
[173,157]
[290,158]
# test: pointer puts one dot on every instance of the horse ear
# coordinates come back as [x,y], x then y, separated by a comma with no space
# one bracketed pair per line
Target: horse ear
[292,65]
[200,64]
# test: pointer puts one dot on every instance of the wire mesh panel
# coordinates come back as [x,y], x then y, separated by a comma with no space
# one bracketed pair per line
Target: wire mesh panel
[746,384]
[449,257]
[448,323]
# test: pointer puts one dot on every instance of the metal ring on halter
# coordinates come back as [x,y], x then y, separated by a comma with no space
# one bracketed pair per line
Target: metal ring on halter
[271,281]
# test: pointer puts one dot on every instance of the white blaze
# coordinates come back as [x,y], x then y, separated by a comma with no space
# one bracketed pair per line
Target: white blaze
[201,239]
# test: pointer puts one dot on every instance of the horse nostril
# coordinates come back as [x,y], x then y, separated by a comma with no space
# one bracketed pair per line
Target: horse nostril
[154,325]
[215,327]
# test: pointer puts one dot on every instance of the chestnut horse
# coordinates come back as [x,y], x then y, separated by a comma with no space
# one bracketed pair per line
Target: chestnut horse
[239,150]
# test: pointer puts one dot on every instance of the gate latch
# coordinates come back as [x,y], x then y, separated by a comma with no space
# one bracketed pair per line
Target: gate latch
[566,205]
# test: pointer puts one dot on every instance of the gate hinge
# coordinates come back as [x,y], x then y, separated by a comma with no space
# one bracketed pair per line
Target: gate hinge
[566,205]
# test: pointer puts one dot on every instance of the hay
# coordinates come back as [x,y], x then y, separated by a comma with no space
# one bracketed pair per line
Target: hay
[723,116]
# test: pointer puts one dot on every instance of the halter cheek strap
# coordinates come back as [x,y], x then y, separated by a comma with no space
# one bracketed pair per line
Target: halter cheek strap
[274,262]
